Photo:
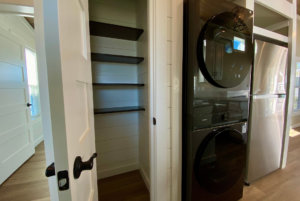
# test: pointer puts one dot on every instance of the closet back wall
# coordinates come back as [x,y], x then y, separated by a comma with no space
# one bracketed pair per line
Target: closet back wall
[117,134]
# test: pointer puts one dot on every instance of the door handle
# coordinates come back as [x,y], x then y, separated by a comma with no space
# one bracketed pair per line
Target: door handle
[80,166]
[50,170]
[28,104]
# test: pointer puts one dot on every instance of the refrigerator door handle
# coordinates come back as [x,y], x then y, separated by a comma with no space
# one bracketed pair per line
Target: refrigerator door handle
[264,96]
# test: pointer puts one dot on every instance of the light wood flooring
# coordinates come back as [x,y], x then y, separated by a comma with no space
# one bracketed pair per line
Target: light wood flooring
[29,183]
[283,184]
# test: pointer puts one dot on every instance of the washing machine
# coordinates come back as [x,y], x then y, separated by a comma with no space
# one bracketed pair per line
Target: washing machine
[217,64]
[218,158]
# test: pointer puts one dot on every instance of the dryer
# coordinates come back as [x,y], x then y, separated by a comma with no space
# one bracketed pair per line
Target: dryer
[218,158]
[217,63]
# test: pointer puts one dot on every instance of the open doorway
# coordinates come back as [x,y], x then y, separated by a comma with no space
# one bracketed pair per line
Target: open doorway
[21,130]
[119,48]
[121,107]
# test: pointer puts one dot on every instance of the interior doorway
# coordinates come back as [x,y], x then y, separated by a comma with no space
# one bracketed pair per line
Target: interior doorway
[21,131]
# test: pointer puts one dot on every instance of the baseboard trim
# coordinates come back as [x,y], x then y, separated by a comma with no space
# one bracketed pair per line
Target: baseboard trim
[118,170]
[295,126]
[38,141]
[145,178]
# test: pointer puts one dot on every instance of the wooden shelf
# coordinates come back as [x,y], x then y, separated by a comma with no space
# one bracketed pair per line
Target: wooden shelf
[118,109]
[114,31]
[116,58]
[118,84]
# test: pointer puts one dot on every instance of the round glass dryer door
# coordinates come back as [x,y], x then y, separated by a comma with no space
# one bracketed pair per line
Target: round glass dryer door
[225,50]
[220,160]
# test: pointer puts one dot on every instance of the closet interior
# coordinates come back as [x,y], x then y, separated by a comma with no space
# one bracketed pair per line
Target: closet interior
[119,54]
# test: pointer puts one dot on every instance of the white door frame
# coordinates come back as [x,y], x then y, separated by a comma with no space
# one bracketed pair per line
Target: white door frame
[157,19]
[176,98]
[158,54]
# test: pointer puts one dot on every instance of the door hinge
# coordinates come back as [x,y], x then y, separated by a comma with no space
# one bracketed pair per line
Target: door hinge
[154,121]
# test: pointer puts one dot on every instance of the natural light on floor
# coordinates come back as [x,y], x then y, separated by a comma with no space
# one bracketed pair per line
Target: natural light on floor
[295,132]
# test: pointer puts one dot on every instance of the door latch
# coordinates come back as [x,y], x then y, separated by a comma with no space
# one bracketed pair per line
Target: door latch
[50,170]
[62,177]
[154,121]
[63,180]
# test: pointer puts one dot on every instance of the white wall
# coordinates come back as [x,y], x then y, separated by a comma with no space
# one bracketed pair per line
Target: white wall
[119,12]
[144,92]
[20,27]
[117,135]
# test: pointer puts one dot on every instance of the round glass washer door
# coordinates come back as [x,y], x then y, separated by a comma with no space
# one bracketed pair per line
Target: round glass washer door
[220,160]
[225,50]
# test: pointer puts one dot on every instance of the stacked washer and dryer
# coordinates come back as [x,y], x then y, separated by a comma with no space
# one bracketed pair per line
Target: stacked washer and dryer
[218,58]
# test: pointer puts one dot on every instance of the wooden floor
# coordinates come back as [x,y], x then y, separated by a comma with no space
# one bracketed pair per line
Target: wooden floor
[283,184]
[29,183]
[125,187]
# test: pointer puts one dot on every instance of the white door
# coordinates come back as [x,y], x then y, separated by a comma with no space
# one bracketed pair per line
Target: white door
[66,95]
[16,137]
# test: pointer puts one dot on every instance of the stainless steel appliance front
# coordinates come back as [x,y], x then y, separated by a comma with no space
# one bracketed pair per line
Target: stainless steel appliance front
[266,110]
[269,73]
[266,133]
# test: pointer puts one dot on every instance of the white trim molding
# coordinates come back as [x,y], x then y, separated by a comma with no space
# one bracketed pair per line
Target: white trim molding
[270,34]
[118,170]
[291,71]
[158,102]
[145,178]
[21,10]
[38,141]
[176,99]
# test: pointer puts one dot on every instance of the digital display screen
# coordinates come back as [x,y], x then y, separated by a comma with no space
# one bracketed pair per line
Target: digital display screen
[239,44]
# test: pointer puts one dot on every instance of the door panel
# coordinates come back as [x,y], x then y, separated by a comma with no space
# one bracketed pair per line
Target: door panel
[67,49]
[220,160]
[16,136]
[269,77]
[225,50]
[267,120]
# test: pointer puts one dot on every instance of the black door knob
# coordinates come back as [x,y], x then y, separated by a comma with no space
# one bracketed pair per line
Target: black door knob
[28,104]
[80,166]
